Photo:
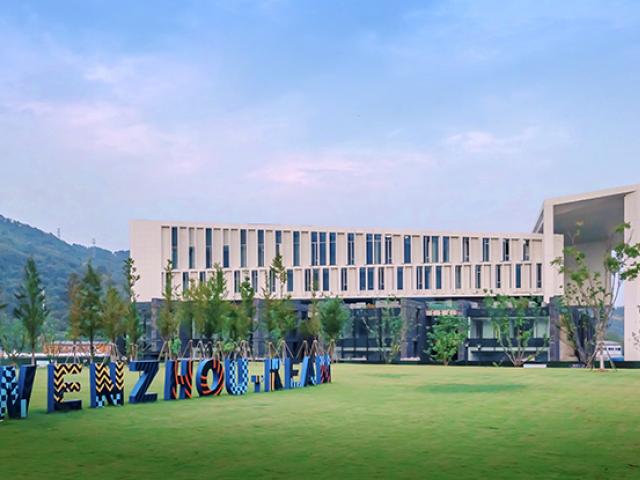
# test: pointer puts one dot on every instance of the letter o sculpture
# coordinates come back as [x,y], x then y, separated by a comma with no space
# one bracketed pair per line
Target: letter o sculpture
[204,390]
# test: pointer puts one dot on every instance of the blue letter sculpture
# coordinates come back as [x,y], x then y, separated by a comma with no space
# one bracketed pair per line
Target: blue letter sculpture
[149,369]
[323,369]
[178,373]
[206,366]
[58,387]
[272,375]
[14,395]
[290,374]
[107,384]
[237,376]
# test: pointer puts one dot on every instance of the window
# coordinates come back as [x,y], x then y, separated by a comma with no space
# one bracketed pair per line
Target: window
[225,250]
[316,279]
[351,248]
[325,280]
[426,249]
[323,248]
[538,275]
[498,276]
[400,278]
[438,278]
[407,249]
[525,250]
[363,278]
[388,249]
[343,280]
[445,249]
[174,247]
[458,277]
[370,278]
[465,249]
[427,277]
[419,278]
[289,280]
[381,278]
[272,281]
[314,248]
[208,248]
[307,279]
[505,249]
[278,242]
[332,248]
[486,252]
[296,249]
[236,281]
[377,249]
[478,277]
[202,278]
[369,256]
[435,249]
[261,248]
[254,280]
[192,249]
[518,275]
[243,248]
[185,282]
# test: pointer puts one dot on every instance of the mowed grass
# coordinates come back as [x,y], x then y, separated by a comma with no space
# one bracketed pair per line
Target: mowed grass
[373,421]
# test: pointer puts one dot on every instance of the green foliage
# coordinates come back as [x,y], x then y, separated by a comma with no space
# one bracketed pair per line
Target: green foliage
[392,327]
[240,319]
[168,320]
[279,316]
[311,327]
[13,337]
[91,307]
[75,307]
[114,311]
[446,336]
[31,309]
[334,316]
[133,328]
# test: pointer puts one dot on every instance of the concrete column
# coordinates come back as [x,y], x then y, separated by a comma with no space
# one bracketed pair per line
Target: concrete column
[549,274]
[632,288]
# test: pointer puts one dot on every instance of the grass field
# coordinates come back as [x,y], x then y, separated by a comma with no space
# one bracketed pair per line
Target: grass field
[372,421]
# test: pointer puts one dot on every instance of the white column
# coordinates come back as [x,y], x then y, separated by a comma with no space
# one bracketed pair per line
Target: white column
[632,289]
[549,272]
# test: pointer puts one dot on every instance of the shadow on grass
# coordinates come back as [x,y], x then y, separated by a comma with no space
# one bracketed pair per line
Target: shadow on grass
[471,388]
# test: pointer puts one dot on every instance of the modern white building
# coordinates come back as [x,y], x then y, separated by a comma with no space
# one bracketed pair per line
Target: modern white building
[365,264]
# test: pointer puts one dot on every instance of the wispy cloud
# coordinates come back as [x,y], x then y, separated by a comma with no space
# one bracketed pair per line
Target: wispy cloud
[483,142]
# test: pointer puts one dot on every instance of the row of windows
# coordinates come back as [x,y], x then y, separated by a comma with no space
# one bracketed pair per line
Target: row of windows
[323,245]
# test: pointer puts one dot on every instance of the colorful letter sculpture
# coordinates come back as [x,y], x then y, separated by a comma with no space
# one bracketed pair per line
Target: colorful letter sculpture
[290,374]
[14,395]
[257,381]
[237,376]
[323,369]
[107,384]
[206,366]
[272,374]
[178,379]
[149,370]
[58,387]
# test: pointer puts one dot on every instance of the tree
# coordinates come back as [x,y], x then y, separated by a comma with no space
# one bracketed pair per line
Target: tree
[114,312]
[333,315]
[391,330]
[31,309]
[514,323]
[133,328]
[311,327]
[168,320]
[12,335]
[91,307]
[279,316]
[216,307]
[75,307]
[245,312]
[590,295]
[445,337]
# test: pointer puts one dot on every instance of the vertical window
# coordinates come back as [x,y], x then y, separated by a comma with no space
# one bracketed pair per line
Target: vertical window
[323,248]
[261,248]
[435,249]
[363,278]
[278,242]
[400,278]
[427,277]
[377,249]
[307,279]
[314,248]
[465,249]
[202,277]
[192,249]
[518,275]
[525,250]
[388,249]
[254,280]
[185,282]
[370,278]
[296,249]
[243,248]
[325,280]
[174,247]
[351,248]
[419,278]
[486,253]
[538,275]
[458,277]
[438,277]
[407,249]
[369,256]
[225,250]
[426,249]
[505,249]
[332,248]
[272,281]
[498,276]
[289,280]
[236,281]
[445,249]
[316,279]
[478,277]
[381,278]
[343,280]
[208,248]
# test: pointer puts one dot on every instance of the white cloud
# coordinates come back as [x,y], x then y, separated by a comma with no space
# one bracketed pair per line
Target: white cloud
[482,142]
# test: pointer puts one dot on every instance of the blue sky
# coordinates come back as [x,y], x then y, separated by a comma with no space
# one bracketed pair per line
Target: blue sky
[443,115]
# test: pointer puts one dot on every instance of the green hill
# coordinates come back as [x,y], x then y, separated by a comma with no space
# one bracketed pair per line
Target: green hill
[55,259]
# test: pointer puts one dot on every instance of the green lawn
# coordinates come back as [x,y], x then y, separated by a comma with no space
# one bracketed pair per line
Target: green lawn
[372,421]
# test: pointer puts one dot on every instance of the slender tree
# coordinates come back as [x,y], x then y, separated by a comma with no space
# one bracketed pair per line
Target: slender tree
[75,307]
[311,326]
[12,335]
[333,315]
[446,336]
[114,314]
[279,316]
[133,328]
[91,307]
[168,320]
[31,309]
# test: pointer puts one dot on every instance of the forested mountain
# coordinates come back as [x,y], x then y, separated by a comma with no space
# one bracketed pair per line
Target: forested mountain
[55,259]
